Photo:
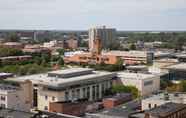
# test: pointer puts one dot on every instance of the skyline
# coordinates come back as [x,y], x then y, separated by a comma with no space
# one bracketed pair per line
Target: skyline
[127,15]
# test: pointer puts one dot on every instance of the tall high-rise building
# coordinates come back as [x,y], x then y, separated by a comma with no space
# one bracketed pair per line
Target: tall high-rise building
[107,36]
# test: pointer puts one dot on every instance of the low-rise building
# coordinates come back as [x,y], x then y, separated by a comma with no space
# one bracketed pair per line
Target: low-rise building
[77,108]
[15,45]
[17,96]
[12,113]
[163,98]
[69,85]
[168,110]
[121,111]
[15,59]
[145,83]
[35,49]
[113,101]
[54,43]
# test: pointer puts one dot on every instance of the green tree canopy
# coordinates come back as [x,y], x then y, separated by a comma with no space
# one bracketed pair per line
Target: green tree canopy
[126,89]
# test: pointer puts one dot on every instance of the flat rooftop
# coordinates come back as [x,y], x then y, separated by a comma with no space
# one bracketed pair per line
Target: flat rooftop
[121,111]
[161,111]
[58,81]
[135,53]
[5,87]
[141,76]
[180,66]
[6,113]
[178,97]
[166,109]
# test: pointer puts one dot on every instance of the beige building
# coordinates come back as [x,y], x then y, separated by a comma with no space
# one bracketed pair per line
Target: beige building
[18,97]
[163,98]
[145,83]
[69,85]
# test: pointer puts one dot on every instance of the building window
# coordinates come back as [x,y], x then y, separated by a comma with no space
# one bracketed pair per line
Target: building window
[3,105]
[88,92]
[149,106]
[93,92]
[84,93]
[46,97]
[78,93]
[73,94]
[3,98]
[66,96]
[155,105]
[53,98]
[46,108]
[147,83]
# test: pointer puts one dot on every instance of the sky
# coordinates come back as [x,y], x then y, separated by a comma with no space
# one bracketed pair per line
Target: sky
[83,14]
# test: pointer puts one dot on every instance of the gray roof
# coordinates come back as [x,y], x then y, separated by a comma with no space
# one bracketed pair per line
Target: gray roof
[121,111]
[166,109]
[21,114]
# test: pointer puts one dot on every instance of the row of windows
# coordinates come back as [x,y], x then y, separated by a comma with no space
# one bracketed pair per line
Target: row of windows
[102,59]
[46,98]
[86,91]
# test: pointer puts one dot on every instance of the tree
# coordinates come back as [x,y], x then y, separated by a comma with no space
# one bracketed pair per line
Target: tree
[13,37]
[119,64]
[10,52]
[61,61]
[126,89]
[132,46]
[61,51]
[183,85]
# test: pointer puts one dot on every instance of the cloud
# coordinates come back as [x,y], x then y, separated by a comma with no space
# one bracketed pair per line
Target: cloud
[80,14]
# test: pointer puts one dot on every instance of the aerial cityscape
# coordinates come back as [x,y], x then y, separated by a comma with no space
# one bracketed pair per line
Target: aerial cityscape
[93,59]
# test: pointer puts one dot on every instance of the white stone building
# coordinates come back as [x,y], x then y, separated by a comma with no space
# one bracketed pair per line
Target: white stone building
[145,83]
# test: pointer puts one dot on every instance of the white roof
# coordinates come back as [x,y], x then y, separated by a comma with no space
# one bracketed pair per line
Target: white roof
[71,70]
[135,53]
[128,75]
[172,97]
[44,79]
[177,66]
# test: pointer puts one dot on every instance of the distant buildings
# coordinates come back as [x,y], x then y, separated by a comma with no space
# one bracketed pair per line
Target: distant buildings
[18,97]
[15,45]
[134,57]
[54,43]
[14,59]
[111,57]
[72,43]
[145,83]
[107,36]
[93,57]
[36,49]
